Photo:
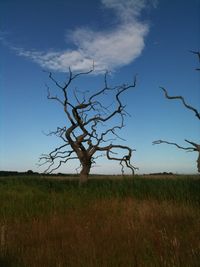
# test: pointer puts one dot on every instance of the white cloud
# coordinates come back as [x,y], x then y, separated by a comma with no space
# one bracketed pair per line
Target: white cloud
[126,10]
[108,49]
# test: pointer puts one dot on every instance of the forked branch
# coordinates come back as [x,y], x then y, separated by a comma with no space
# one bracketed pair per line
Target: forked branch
[85,132]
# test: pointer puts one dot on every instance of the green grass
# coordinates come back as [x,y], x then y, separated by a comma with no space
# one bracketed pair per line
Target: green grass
[145,221]
[27,196]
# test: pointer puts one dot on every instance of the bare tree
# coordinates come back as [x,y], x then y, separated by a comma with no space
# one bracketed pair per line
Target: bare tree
[91,127]
[194,147]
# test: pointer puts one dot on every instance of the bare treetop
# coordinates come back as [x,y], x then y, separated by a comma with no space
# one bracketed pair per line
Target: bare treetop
[92,125]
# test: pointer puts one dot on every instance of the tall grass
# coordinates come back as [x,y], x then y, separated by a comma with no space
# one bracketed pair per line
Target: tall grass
[108,222]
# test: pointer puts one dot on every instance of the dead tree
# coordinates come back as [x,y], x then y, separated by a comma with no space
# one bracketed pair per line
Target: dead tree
[91,128]
[195,147]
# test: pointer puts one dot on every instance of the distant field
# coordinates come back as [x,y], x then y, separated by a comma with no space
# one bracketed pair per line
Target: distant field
[145,221]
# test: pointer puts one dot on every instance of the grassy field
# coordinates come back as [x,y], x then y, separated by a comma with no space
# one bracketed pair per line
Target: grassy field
[145,221]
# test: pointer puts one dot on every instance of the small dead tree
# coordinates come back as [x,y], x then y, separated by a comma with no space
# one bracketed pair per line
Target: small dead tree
[87,135]
[195,147]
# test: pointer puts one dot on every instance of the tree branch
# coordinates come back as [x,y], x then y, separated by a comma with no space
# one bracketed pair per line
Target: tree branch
[125,159]
[86,116]
[157,142]
[183,101]
[196,53]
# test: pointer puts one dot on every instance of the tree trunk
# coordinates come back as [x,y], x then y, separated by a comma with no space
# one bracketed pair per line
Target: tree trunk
[198,162]
[84,173]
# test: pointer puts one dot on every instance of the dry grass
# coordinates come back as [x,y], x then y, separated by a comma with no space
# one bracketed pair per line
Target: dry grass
[107,232]
[142,222]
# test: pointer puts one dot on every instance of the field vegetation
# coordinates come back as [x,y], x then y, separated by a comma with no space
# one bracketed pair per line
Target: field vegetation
[145,221]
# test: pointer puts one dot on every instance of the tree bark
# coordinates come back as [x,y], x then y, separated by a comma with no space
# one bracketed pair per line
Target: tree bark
[198,162]
[84,173]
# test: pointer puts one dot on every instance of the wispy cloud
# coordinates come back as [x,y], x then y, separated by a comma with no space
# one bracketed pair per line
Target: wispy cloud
[108,49]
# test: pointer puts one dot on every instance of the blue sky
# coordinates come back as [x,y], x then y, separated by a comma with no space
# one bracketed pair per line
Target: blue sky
[150,38]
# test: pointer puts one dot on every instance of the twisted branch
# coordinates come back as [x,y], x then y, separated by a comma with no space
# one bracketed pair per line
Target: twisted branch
[86,115]
[183,101]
